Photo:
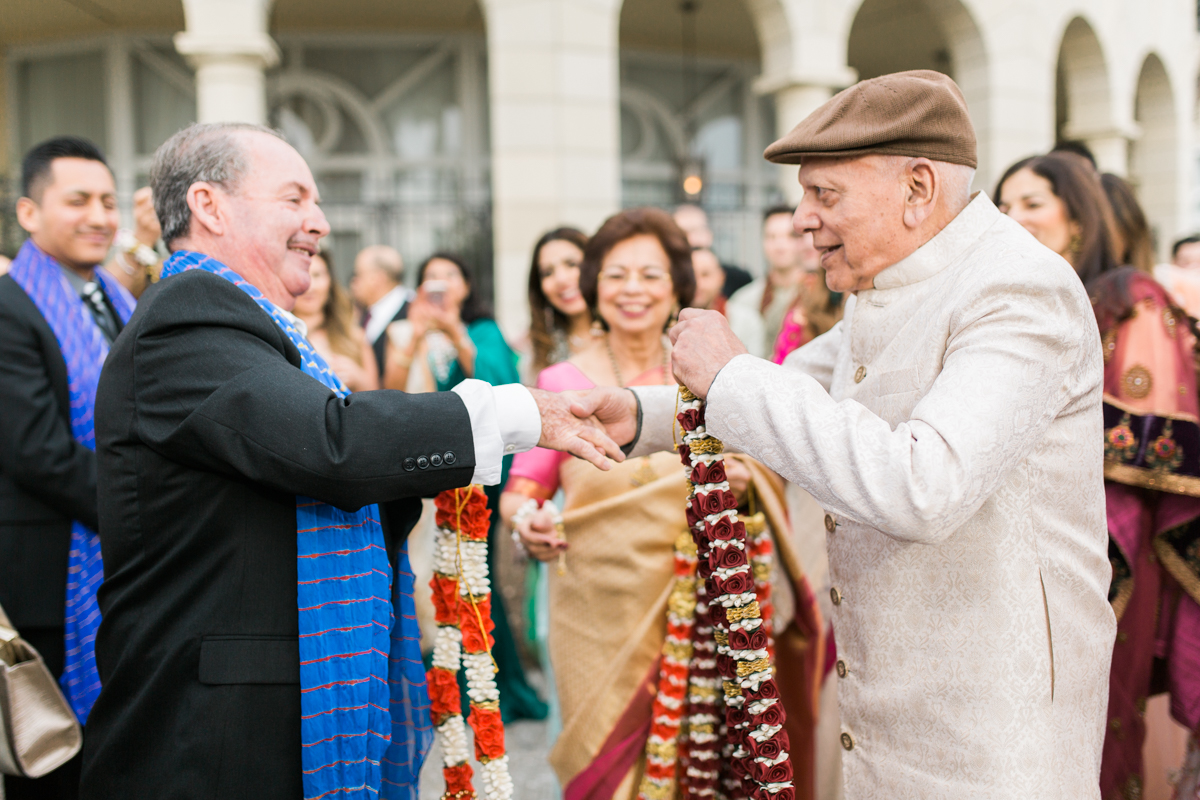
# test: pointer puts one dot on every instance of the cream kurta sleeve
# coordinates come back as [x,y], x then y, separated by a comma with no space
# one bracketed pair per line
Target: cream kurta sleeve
[817,358]
[1000,386]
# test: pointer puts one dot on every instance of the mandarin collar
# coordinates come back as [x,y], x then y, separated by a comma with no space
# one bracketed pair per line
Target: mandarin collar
[943,249]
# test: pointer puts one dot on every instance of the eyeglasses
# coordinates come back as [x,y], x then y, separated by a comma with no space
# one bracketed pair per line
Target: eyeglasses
[620,275]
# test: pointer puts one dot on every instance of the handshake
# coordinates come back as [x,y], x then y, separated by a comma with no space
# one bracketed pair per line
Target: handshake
[592,425]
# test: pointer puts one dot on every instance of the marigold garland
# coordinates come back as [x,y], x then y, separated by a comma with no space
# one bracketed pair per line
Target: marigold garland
[462,601]
[662,747]
[757,745]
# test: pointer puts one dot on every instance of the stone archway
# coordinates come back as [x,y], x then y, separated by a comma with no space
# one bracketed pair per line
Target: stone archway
[1083,98]
[895,35]
[694,106]
[1154,155]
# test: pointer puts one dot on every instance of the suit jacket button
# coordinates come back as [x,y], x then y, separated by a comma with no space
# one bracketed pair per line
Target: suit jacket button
[449,458]
[423,462]
[847,741]
[436,459]
[836,596]
[410,464]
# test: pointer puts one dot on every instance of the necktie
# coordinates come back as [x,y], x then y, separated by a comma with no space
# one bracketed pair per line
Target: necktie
[93,296]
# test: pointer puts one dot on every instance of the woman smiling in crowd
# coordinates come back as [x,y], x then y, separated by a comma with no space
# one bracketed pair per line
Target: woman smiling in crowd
[609,589]
[559,319]
[325,308]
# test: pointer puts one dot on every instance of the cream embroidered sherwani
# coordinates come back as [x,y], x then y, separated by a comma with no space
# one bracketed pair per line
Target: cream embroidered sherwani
[951,428]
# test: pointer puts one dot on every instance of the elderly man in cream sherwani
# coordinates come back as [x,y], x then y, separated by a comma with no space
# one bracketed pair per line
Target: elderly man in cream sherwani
[950,426]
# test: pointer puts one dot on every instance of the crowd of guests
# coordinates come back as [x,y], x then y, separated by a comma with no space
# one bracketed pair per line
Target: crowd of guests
[600,306]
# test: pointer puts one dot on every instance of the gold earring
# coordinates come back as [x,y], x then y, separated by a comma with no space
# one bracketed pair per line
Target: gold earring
[1075,245]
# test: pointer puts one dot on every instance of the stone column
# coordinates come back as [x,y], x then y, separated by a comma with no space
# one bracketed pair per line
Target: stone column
[555,130]
[795,99]
[1109,145]
[226,42]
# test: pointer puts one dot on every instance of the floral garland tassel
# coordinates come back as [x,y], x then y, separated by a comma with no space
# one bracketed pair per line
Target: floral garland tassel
[462,600]
[754,715]
[662,746]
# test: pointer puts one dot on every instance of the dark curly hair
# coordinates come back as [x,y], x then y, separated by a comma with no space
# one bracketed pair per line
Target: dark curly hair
[637,222]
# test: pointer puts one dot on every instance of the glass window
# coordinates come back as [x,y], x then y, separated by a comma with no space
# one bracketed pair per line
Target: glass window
[62,96]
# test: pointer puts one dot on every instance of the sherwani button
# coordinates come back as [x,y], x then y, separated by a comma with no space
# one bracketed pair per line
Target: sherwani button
[847,741]
[423,462]
[859,374]
[829,523]
[841,668]
[436,459]
[835,596]
[449,458]
[410,464]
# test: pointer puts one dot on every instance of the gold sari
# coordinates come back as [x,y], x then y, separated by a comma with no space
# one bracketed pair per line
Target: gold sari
[608,619]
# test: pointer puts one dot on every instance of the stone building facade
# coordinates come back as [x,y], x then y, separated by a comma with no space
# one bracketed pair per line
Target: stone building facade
[477,124]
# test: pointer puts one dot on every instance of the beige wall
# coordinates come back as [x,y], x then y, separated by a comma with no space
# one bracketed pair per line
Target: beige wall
[554,84]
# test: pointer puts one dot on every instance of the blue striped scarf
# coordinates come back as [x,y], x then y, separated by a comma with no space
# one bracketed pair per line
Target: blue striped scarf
[84,349]
[364,724]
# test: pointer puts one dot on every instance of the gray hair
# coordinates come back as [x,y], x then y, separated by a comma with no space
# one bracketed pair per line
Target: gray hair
[204,151]
[386,259]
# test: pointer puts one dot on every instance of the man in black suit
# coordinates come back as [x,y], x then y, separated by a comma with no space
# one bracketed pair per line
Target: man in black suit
[47,477]
[378,286]
[207,431]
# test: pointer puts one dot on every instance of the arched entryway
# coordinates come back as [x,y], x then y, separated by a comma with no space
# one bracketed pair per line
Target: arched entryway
[896,35]
[688,105]
[1154,155]
[1083,98]
[393,123]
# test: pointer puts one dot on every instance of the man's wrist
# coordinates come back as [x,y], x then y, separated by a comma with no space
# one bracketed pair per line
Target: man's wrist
[519,418]
[637,433]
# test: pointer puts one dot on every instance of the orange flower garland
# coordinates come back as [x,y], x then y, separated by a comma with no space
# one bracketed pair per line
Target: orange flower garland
[462,602]
[658,783]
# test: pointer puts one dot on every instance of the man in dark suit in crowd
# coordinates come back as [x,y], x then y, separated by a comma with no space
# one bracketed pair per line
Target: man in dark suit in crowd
[47,474]
[378,286]
[221,440]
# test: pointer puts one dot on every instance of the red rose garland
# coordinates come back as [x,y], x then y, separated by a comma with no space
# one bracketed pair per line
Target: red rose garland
[754,713]
[462,601]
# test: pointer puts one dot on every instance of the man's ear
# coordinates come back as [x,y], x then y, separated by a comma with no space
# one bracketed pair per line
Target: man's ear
[29,215]
[208,207]
[922,186]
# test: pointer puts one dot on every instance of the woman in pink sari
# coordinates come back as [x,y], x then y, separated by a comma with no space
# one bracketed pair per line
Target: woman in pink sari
[1151,459]
[612,571]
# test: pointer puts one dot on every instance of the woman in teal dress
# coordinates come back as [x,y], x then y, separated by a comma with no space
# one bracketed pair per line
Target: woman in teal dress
[450,336]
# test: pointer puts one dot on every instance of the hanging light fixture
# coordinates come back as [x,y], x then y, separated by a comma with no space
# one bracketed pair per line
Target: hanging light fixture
[691,166]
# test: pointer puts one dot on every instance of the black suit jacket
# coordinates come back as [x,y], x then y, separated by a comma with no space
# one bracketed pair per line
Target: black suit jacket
[206,431]
[47,479]
[380,344]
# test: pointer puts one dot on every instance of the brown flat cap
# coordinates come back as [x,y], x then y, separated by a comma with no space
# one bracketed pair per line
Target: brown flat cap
[920,113]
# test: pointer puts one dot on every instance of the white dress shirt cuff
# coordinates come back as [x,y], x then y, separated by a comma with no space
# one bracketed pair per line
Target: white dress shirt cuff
[504,420]
[658,419]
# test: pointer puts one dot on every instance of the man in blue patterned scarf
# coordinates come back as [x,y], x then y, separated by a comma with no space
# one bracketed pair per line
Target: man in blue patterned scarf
[259,638]
[59,314]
